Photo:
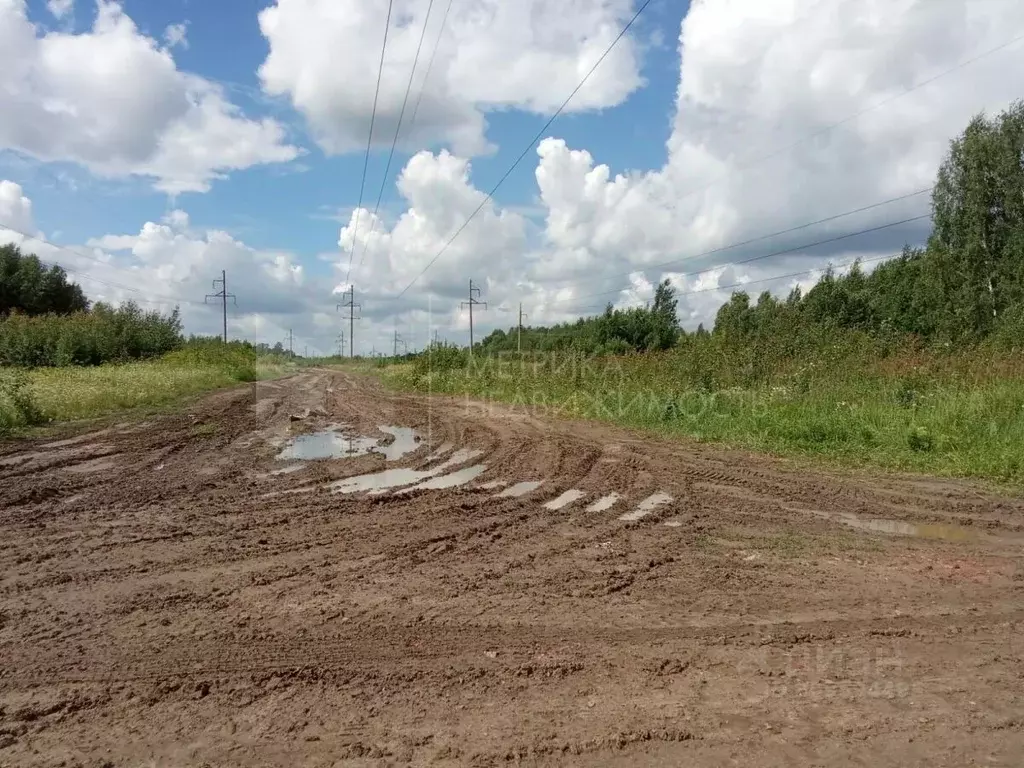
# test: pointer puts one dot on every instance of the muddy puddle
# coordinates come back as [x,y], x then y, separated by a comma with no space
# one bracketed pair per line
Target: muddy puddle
[338,442]
[381,482]
[903,528]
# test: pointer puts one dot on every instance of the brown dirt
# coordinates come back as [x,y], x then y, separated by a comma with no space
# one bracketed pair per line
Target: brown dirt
[164,603]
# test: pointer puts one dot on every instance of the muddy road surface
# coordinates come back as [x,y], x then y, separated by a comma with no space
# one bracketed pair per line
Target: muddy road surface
[467,584]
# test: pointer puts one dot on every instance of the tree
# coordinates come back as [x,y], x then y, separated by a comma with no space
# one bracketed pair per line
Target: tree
[29,287]
[978,210]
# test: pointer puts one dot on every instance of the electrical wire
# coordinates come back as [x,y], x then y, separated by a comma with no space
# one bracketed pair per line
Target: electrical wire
[759,238]
[782,252]
[394,143]
[369,139]
[528,147]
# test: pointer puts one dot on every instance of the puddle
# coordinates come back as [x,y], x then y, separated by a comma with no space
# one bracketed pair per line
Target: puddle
[379,482]
[288,470]
[565,499]
[441,451]
[520,489]
[493,485]
[451,480]
[901,528]
[604,503]
[646,506]
[335,443]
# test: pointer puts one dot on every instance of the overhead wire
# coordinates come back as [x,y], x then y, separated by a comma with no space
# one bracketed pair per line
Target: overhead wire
[781,252]
[744,284]
[750,241]
[369,138]
[537,137]
[394,143]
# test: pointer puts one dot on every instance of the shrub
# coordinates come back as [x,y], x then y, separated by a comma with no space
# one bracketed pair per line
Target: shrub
[103,335]
[17,405]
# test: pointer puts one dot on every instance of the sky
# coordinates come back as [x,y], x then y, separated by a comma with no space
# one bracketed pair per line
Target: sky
[148,146]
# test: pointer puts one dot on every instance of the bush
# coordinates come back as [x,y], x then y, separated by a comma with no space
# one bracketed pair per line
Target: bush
[18,407]
[103,335]
[237,357]
[440,357]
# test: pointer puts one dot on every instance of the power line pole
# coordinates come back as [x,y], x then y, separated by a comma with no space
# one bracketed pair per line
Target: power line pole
[291,340]
[398,338]
[519,342]
[349,303]
[223,296]
[473,293]
[341,343]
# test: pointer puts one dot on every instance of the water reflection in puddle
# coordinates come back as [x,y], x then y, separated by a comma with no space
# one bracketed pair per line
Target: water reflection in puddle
[646,506]
[565,499]
[451,480]
[901,528]
[520,489]
[336,443]
[380,482]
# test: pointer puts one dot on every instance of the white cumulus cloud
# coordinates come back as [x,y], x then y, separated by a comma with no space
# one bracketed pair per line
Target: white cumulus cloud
[113,101]
[787,111]
[529,54]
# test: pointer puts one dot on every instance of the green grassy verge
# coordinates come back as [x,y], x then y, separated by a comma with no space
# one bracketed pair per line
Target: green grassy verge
[961,418]
[43,395]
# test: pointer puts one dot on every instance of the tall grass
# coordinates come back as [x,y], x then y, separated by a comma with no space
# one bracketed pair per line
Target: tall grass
[42,395]
[911,409]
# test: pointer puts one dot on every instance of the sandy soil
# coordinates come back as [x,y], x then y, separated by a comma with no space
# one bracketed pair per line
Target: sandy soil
[167,601]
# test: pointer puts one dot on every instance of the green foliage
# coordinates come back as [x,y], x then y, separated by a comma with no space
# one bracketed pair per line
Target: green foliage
[615,332]
[27,286]
[238,358]
[87,338]
[440,357]
[18,406]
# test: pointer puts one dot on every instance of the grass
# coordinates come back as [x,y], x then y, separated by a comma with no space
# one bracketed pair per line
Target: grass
[961,417]
[45,395]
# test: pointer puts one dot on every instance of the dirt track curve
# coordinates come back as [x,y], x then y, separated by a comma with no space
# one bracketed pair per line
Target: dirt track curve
[167,601]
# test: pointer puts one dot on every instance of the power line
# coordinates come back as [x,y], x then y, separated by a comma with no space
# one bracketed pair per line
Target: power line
[369,139]
[473,293]
[528,147]
[394,143]
[774,153]
[778,253]
[430,63]
[223,296]
[349,302]
[740,244]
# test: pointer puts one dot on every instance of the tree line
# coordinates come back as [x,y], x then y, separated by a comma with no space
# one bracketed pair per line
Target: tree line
[965,285]
[45,320]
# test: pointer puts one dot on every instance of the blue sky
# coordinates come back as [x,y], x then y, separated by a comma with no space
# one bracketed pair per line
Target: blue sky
[118,145]
[290,208]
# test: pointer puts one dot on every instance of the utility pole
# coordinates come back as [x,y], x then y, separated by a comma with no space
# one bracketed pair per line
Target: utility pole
[349,302]
[473,293]
[519,341]
[291,340]
[398,339]
[305,350]
[341,343]
[223,295]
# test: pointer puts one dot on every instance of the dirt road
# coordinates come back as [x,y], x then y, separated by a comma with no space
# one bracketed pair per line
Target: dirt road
[172,594]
